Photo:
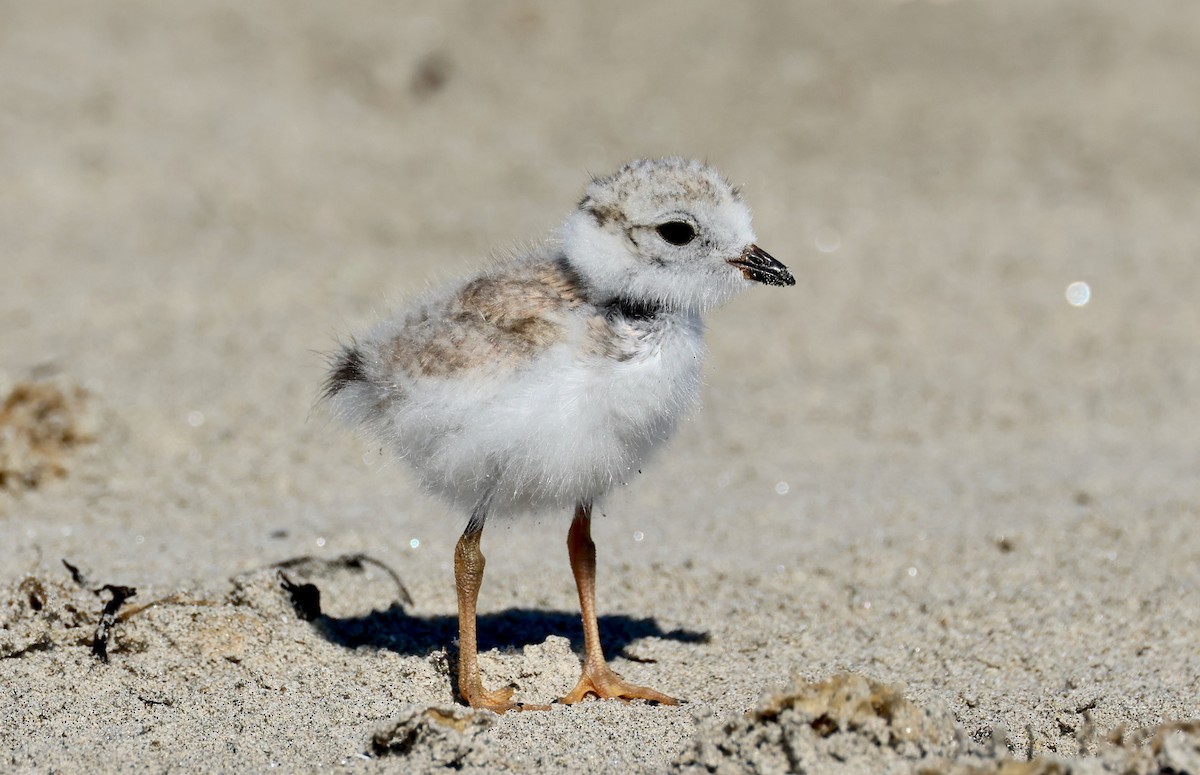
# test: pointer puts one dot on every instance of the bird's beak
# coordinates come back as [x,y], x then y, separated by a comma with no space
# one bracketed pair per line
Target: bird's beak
[758,265]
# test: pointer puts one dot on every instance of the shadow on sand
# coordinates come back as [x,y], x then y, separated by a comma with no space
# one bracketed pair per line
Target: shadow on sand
[395,630]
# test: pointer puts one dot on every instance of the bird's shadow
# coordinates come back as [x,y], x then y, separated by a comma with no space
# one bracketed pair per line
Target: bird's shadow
[396,630]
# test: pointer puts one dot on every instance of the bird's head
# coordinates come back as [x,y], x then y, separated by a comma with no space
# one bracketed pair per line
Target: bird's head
[667,232]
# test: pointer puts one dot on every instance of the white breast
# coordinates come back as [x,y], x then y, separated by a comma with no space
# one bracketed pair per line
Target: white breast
[567,428]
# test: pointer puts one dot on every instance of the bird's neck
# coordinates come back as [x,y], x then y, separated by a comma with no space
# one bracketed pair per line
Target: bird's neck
[635,309]
[632,309]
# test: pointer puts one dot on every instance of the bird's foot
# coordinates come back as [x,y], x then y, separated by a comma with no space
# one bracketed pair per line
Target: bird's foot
[497,701]
[602,682]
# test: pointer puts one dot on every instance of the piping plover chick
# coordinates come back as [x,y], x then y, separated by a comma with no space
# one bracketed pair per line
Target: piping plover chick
[547,379]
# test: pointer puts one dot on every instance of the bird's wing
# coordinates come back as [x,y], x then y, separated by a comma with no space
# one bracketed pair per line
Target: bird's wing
[494,323]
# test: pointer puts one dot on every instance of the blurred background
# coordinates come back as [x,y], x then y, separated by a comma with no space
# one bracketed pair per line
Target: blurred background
[196,199]
[960,454]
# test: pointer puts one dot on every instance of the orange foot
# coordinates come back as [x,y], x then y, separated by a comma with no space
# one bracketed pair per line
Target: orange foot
[602,682]
[498,701]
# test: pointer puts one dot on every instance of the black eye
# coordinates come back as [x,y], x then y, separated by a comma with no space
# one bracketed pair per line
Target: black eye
[677,232]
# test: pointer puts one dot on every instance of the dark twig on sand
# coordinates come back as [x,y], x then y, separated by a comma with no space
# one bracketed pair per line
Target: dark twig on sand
[353,562]
[109,616]
[76,575]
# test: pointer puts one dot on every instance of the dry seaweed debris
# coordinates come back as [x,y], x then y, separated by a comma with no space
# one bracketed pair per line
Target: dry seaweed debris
[853,724]
[38,614]
[41,613]
[41,422]
[313,567]
[812,727]
[440,735]
[108,617]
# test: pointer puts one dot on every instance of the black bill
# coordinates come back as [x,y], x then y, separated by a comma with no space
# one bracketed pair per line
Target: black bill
[758,265]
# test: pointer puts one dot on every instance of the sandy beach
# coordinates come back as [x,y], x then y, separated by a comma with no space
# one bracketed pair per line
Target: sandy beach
[940,510]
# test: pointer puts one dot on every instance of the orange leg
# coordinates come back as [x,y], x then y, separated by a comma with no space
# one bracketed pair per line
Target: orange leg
[468,576]
[597,678]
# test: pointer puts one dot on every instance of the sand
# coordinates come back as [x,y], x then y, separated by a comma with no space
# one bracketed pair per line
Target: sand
[932,514]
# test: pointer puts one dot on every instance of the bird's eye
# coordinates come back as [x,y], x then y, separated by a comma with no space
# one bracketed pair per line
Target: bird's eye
[677,232]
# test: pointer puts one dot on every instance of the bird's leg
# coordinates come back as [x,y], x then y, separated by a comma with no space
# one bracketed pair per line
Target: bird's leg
[597,678]
[468,575]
